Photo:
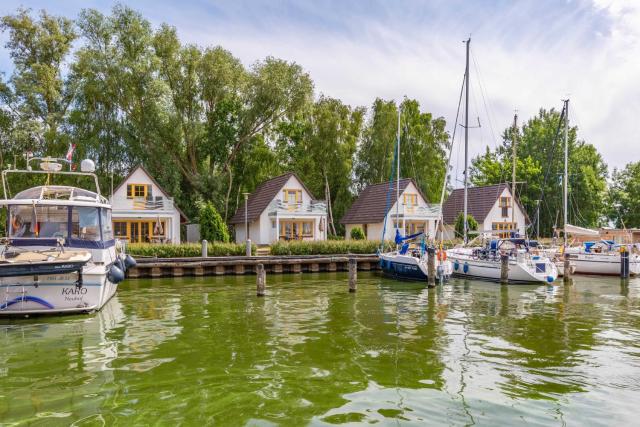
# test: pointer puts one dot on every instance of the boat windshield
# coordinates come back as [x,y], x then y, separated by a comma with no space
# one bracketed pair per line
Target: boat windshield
[50,222]
[57,192]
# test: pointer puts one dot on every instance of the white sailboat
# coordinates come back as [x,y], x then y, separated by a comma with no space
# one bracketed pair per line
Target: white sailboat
[60,254]
[484,262]
[599,257]
[403,263]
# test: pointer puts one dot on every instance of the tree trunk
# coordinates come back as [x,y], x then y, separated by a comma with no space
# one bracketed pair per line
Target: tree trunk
[226,200]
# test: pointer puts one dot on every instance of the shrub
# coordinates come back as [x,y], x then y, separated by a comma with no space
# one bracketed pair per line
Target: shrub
[472,224]
[357,233]
[186,249]
[326,247]
[334,237]
[212,227]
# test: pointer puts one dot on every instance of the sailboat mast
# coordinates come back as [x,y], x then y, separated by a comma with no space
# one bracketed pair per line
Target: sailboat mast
[466,143]
[565,180]
[514,142]
[398,172]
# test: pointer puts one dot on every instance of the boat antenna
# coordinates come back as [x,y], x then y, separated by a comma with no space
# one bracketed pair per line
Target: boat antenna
[466,144]
[565,180]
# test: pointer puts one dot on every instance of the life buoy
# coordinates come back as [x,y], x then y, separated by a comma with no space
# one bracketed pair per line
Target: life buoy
[444,255]
[439,256]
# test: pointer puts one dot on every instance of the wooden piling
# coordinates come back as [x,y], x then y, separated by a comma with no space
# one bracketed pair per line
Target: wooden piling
[205,249]
[504,269]
[566,274]
[624,263]
[261,280]
[353,274]
[431,267]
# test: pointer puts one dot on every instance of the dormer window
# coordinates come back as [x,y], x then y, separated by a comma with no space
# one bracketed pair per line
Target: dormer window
[292,196]
[505,204]
[410,200]
[137,191]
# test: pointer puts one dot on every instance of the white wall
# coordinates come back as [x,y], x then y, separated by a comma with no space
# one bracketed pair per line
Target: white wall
[261,231]
[495,214]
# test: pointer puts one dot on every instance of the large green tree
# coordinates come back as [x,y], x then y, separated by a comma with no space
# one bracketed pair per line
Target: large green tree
[539,170]
[624,196]
[423,146]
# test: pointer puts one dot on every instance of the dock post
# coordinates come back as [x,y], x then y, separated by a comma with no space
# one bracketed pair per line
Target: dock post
[624,263]
[504,269]
[353,274]
[431,267]
[566,274]
[261,280]
[205,248]
[248,249]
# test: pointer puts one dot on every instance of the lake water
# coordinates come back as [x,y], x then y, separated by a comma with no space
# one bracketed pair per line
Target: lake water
[198,351]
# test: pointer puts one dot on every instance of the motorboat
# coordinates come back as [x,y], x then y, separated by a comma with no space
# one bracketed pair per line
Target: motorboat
[526,265]
[603,257]
[60,254]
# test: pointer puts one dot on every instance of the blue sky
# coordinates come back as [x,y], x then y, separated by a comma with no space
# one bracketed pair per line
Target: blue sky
[527,54]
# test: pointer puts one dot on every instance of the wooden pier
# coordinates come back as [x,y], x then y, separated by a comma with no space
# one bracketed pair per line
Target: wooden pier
[236,265]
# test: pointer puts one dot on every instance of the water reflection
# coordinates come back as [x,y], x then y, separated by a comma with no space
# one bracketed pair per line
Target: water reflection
[206,350]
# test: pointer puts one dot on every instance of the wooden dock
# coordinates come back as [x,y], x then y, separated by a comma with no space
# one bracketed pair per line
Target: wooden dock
[235,265]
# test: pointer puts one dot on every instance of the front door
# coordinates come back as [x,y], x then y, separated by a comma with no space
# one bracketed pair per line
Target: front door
[134,234]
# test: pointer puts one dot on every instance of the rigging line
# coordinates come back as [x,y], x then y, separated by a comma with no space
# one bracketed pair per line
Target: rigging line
[550,156]
[483,94]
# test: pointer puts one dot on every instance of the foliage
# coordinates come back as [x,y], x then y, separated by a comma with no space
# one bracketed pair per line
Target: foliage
[325,247]
[423,143]
[539,156]
[472,224]
[624,196]
[212,226]
[3,221]
[335,236]
[357,233]
[186,250]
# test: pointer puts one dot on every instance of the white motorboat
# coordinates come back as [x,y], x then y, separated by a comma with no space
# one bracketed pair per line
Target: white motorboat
[485,263]
[603,258]
[60,255]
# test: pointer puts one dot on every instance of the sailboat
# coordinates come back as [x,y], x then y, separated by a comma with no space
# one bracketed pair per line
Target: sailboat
[403,262]
[484,262]
[600,257]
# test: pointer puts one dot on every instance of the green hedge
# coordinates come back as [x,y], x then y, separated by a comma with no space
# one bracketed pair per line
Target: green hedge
[186,249]
[327,247]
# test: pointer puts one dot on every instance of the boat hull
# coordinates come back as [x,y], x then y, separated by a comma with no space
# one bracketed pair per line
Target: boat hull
[407,267]
[603,264]
[466,266]
[56,293]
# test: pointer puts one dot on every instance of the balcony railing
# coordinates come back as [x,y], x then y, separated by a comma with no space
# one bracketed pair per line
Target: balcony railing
[140,203]
[431,210]
[314,208]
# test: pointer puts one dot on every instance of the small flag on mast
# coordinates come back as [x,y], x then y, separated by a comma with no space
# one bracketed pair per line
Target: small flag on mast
[69,155]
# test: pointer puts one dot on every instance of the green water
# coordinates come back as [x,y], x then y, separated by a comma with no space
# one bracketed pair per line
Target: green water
[199,351]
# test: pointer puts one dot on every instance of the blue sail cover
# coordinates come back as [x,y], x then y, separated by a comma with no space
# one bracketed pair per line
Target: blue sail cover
[400,239]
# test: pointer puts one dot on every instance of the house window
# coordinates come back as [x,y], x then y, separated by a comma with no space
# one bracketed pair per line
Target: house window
[505,204]
[296,229]
[292,196]
[137,191]
[120,229]
[151,231]
[410,199]
[503,229]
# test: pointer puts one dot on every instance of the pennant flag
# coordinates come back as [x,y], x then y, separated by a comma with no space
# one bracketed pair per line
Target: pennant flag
[69,155]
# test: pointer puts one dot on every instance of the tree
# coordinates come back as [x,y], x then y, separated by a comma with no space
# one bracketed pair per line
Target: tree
[540,166]
[624,196]
[357,233]
[41,95]
[423,146]
[472,224]
[212,227]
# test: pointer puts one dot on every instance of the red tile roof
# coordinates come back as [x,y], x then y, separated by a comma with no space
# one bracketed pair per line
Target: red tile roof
[371,205]
[262,196]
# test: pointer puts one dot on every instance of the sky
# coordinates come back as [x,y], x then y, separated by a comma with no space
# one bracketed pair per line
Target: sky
[526,55]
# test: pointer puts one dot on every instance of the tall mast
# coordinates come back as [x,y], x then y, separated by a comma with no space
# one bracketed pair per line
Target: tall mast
[466,143]
[398,172]
[565,180]
[514,142]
